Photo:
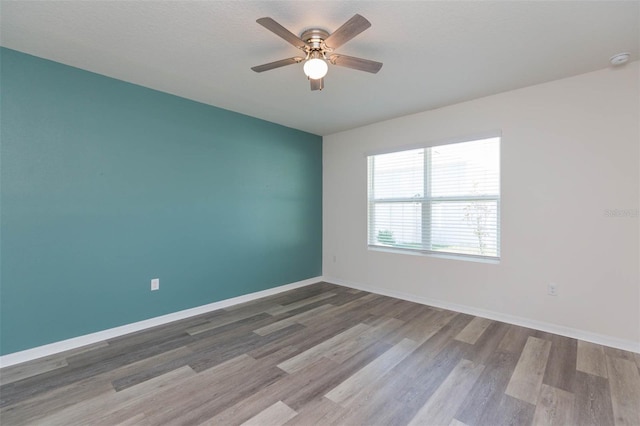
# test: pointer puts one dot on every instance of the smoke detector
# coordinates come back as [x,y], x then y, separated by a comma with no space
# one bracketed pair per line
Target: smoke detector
[619,58]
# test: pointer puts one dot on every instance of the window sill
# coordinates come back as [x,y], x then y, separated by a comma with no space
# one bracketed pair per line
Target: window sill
[449,256]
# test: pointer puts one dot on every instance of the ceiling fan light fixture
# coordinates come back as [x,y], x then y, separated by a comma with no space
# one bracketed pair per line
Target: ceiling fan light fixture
[315,68]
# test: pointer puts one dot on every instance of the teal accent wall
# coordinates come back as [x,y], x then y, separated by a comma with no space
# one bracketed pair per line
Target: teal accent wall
[106,185]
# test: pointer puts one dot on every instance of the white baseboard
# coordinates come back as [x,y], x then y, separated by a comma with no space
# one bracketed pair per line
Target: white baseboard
[627,345]
[88,339]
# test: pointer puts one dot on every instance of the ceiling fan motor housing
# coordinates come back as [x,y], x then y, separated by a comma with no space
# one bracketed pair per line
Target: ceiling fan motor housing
[315,38]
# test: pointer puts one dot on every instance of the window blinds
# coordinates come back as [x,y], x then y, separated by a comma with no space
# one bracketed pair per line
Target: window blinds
[443,199]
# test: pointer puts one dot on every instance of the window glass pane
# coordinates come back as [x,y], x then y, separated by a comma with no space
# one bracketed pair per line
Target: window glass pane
[398,225]
[398,175]
[466,227]
[469,168]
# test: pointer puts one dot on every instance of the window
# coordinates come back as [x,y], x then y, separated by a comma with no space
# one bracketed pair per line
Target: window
[441,199]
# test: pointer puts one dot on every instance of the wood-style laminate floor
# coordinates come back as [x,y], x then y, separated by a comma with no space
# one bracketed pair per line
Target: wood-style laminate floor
[328,355]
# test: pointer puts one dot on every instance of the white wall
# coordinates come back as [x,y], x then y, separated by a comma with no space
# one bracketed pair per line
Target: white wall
[570,151]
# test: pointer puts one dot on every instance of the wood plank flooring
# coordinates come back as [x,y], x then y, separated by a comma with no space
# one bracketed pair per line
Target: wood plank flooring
[328,355]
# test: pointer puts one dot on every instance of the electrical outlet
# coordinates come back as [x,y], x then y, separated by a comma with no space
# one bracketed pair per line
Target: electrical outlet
[552,289]
[155,284]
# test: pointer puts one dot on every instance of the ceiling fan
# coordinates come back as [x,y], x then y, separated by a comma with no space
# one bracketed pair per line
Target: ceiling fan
[318,47]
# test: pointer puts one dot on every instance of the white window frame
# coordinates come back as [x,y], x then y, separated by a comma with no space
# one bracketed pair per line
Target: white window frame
[427,200]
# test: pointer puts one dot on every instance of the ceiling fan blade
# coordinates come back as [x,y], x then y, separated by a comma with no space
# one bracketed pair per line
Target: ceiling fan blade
[355,63]
[277,64]
[347,31]
[281,31]
[317,84]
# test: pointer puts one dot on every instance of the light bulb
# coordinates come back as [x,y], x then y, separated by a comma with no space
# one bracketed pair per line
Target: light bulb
[315,68]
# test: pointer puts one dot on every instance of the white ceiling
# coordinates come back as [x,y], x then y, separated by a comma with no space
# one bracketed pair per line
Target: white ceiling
[435,53]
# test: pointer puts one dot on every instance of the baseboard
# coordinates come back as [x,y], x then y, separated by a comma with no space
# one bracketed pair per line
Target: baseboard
[627,345]
[88,339]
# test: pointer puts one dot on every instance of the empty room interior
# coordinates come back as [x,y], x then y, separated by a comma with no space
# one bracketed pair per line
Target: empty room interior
[320,213]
